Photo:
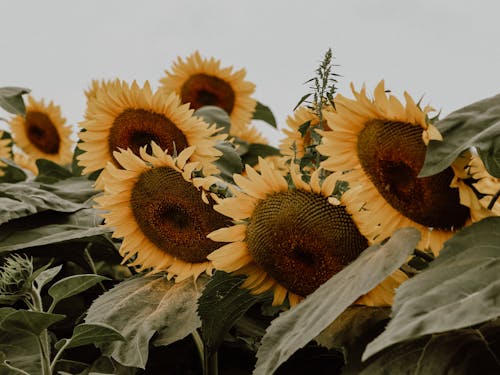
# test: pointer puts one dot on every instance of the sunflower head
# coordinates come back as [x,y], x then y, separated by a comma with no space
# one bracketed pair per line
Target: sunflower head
[42,132]
[161,211]
[122,116]
[200,82]
[289,239]
[381,144]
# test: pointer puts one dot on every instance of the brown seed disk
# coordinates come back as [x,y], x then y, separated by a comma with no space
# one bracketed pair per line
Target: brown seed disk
[301,240]
[170,213]
[42,133]
[392,154]
[134,128]
[202,89]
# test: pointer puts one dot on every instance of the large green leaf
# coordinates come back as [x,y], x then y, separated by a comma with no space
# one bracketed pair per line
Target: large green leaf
[215,115]
[96,333]
[296,327]
[27,198]
[142,306]
[222,303]
[264,113]
[458,289]
[11,99]
[26,322]
[478,125]
[21,351]
[72,285]
[461,352]
[50,228]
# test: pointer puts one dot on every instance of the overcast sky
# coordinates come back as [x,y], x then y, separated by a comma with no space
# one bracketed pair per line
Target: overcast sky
[446,51]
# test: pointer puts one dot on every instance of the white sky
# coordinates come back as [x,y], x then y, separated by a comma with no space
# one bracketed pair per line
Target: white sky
[446,50]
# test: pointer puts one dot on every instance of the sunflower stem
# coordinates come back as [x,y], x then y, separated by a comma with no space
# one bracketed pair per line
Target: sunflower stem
[91,263]
[211,363]
[199,345]
[43,339]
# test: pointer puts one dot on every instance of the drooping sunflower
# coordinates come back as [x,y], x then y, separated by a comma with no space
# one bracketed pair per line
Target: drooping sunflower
[289,239]
[200,82]
[4,151]
[380,147]
[120,116]
[162,213]
[42,132]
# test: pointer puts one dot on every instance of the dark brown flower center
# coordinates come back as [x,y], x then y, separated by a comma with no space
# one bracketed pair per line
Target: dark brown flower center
[392,154]
[42,133]
[203,89]
[301,240]
[170,213]
[134,128]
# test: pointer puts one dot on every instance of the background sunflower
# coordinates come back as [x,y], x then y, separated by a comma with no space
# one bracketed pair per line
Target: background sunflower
[200,82]
[42,132]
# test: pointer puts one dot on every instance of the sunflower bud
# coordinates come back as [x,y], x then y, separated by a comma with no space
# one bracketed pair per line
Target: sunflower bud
[15,278]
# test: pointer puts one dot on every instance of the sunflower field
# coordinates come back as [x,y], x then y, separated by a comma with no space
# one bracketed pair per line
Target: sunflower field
[164,234]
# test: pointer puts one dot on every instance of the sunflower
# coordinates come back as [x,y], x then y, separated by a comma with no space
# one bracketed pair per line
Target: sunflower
[201,82]
[287,239]
[379,145]
[4,151]
[42,132]
[162,213]
[123,116]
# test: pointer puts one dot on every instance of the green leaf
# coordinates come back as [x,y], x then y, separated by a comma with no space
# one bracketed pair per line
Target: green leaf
[74,189]
[47,276]
[96,333]
[28,322]
[27,198]
[12,173]
[11,99]
[215,115]
[478,125]
[73,285]
[20,351]
[229,162]
[50,172]
[353,329]
[460,288]
[302,100]
[460,352]
[29,232]
[264,113]
[222,303]
[251,157]
[296,327]
[142,306]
